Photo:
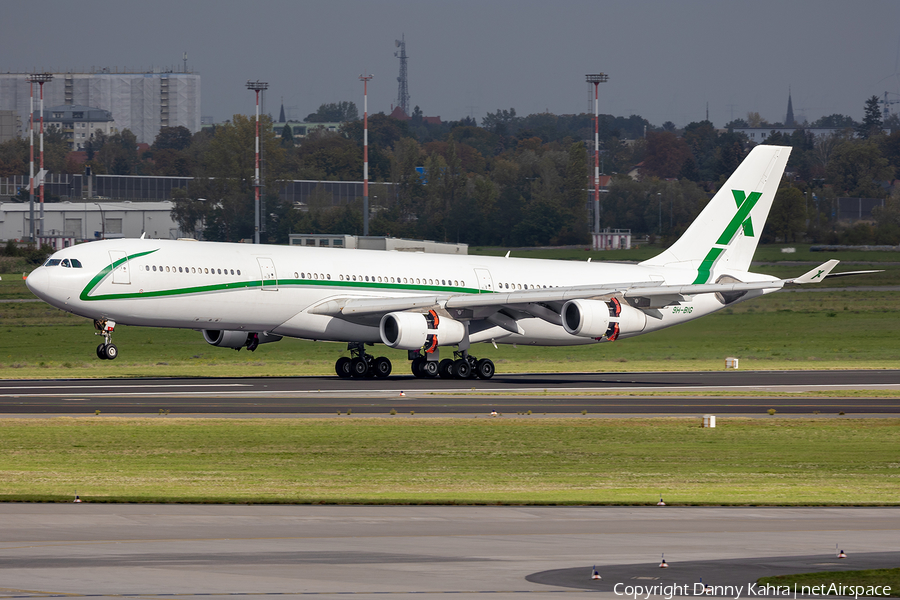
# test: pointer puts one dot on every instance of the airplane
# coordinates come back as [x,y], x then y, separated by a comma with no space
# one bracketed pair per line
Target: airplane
[240,296]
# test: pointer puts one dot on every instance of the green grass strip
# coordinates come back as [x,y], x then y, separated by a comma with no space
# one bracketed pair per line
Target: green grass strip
[406,459]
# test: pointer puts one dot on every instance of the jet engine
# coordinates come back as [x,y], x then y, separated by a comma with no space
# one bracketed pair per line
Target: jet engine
[237,339]
[411,331]
[598,319]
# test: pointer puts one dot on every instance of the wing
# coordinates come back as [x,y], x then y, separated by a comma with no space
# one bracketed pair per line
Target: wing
[544,303]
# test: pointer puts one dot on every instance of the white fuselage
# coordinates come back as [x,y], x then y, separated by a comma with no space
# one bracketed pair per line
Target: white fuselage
[265,288]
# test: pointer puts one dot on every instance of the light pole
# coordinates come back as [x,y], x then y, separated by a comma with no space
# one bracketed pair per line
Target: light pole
[365,79]
[597,79]
[257,86]
[40,79]
[659,199]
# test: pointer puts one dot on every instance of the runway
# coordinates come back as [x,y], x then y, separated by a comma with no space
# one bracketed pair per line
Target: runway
[186,551]
[731,392]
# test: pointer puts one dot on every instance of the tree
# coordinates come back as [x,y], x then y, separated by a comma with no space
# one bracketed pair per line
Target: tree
[665,155]
[856,168]
[174,138]
[334,112]
[287,136]
[786,218]
[871,124]
[834,121]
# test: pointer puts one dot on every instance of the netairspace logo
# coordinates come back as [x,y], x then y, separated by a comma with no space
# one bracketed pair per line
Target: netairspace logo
[751,590]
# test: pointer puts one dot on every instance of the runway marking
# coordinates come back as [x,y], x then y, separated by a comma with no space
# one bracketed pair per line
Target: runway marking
[549,391]
[100,386]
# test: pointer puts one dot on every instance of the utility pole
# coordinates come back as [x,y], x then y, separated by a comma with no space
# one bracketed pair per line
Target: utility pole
[365,79]
[597,79]
[257,86]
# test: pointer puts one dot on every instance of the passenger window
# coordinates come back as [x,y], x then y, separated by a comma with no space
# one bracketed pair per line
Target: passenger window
[206,270]
[239,272]
[328,276]
[232,272]
[148,267]
[154,268]
[315,276]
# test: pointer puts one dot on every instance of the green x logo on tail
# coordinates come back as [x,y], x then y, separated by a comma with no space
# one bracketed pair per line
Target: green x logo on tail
[741,218]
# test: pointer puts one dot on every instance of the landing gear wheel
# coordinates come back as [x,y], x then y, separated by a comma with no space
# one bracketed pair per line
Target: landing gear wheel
[381,367]
[484,368]
[430,368]
[462,369]
[445,368]
[101,352]
[110,351]
[342,367]
[359,367]
[417,366]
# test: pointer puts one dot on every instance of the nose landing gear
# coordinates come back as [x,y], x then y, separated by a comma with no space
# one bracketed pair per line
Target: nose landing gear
[107,350]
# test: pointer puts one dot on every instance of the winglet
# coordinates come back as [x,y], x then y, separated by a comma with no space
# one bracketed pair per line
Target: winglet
[817,274]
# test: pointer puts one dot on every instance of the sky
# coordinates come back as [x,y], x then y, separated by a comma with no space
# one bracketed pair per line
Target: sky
[666,59]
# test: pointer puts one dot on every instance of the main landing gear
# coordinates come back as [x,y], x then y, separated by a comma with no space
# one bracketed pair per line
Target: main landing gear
[462,366]
[361,364]
[107,350]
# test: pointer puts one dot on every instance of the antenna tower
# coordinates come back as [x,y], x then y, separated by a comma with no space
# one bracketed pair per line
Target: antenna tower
[403,88]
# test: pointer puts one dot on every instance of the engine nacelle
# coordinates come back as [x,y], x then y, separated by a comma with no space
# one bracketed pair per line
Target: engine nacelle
[585,318]
[237,339]
[411,331]
[597,319]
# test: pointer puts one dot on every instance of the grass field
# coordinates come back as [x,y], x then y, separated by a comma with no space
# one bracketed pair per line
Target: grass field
[805,582]
[809,330]
[406,459]
[828,330]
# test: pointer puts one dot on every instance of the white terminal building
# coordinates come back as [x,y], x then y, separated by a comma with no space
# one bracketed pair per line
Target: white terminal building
[142,102]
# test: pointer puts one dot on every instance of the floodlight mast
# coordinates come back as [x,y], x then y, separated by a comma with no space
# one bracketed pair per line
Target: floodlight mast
[365,79]
[40,79]
[257,86]
[597,79]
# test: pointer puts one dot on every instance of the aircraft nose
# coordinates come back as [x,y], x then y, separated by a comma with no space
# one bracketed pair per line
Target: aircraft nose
[38,281]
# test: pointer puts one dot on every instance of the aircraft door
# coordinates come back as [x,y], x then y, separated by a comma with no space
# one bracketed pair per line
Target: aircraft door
[485,283]
[267,273]
[119,262]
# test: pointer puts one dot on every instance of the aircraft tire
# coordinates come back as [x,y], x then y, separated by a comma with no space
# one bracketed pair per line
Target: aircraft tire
[484,368]
[430,368]
[110,351]
[359,367]
[101,352]
[417,366]
[445,368]
[382,367]
[462,369]
[342,367]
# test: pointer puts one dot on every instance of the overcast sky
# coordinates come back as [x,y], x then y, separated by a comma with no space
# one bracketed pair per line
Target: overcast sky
[665,59]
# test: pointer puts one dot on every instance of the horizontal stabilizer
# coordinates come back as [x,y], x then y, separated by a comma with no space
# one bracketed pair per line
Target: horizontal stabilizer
[817,274]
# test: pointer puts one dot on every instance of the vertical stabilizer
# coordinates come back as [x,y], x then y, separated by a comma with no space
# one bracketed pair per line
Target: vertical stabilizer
[726,232]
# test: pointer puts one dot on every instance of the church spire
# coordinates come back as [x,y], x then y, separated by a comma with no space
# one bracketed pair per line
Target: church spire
[281,118]
[789,119]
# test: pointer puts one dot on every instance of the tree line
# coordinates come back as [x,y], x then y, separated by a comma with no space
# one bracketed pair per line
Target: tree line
[510,181]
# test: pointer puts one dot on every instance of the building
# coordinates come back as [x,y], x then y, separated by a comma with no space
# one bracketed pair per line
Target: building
[10,125]
[758,135]
[375,243]
[139,101]
[69,223]
[77,123]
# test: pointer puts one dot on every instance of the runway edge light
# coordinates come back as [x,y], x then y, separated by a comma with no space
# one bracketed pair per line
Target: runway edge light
[660,503]
[77,499]
[594,573]
[840,553]
[663,564]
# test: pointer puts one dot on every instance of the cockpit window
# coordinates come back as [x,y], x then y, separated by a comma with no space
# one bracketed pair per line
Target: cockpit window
[65,263]
[76,263]
[52,262]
